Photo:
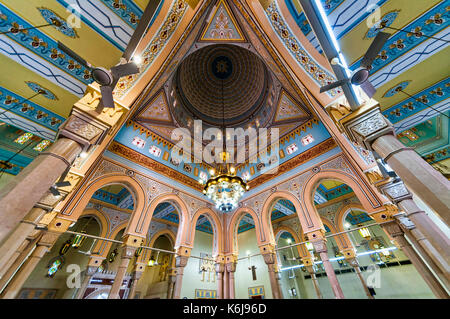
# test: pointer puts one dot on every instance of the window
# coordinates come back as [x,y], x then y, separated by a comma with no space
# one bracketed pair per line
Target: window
[155,151]
[41,146]
[308,139]
[23,138]
[139,142]
[291,148]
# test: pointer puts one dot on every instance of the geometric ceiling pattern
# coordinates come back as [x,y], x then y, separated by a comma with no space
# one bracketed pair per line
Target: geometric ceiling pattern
[411,71]
[39,83]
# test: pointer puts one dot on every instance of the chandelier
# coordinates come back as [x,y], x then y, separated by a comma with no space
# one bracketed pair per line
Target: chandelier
[225,189]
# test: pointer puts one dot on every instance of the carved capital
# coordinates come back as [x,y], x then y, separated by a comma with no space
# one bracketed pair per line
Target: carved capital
[352,261]
[320,245]
[270,258]
[83,129]
[183,251]
[132,241]
[393,229]
[220,259]
[366,124]
[91,270]
[404,222]
[220,267]
[396,192]
[181,261]
[128,252]
[230,267]
[90,102]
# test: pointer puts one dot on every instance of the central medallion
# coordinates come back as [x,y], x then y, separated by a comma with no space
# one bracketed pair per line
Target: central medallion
[222,67]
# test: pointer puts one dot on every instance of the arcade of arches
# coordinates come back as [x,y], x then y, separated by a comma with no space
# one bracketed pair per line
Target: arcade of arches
[358,205]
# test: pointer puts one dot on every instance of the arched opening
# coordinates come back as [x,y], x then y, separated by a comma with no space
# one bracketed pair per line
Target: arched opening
[69,253]
[161,234]
[200,279]
[251,276]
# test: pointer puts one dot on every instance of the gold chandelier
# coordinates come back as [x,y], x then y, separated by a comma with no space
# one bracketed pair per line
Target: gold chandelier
[225,189]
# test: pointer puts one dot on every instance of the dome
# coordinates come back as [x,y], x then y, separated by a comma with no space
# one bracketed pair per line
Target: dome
[221,81]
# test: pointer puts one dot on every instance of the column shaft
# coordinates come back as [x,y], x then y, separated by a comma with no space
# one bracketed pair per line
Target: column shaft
[316,285]
[232,285]
[16,238]
[425,255]
[424,272]
[19,196]
[24,272]
[220,285]
[226,285]
[127,254]
[335,286]
[416,173]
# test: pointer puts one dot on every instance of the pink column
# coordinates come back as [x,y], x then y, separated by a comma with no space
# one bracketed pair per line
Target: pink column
[321,247]
[220,268]
[181,262]
[127,254]
[231,268]
[34,181]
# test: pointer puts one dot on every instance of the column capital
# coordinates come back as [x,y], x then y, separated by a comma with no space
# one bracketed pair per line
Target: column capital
[231,266]
[386,214]
[363,125]
[183,251]
[91,270]
[231,258]
[375,176]
[220,267]
[181,261]
[349,253]
[267,248]
[396,191]
[128,252]
[95,261]
[132,240]
[405,223]
[220,259]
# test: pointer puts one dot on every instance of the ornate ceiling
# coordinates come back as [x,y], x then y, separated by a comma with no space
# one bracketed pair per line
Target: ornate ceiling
[172,54]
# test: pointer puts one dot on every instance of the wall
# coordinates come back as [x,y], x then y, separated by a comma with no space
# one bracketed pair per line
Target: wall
[38,278]
[243,276]
[203,243]
[394,282]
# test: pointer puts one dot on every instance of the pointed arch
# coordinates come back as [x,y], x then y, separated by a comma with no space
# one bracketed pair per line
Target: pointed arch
[342,240]
[270,202]
[183,213]
[298,238]
[232,244]
[217,227]
[78,203]
[358,188]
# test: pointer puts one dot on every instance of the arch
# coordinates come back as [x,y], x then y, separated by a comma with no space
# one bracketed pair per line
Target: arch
[313,217]
[100,218]
[301,249]
[103,247]
[145,256]
[342,214]
[270,202]
[342,240]
[232,244]
[183,214]
[79,202]
[217,227]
